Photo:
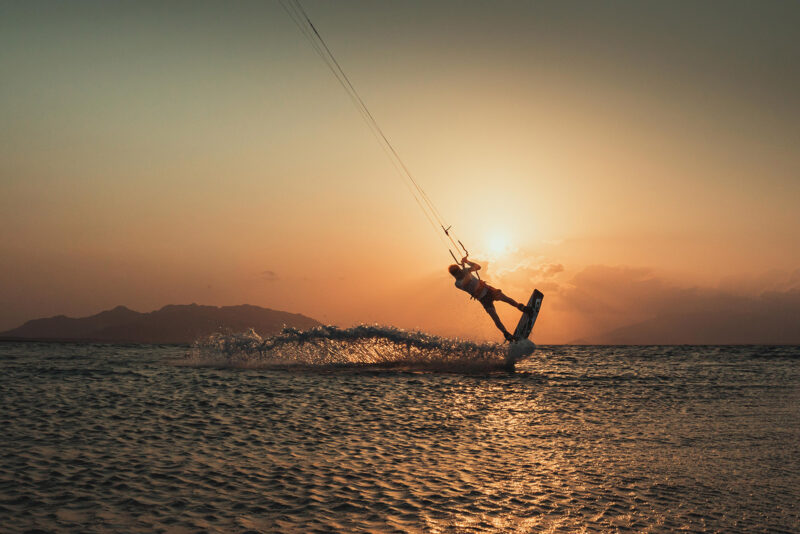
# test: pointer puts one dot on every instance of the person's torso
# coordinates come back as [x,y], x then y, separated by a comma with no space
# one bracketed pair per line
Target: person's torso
[471,285]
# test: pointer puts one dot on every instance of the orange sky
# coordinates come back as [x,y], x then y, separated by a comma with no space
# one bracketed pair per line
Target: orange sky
[154,154]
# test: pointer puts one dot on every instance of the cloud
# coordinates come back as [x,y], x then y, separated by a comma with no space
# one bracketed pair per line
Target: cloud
[625,305]
[527,268]
[548,270]
[773,280]
[268,276]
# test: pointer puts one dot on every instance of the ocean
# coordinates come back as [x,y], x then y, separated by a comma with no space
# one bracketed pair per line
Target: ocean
[113,438]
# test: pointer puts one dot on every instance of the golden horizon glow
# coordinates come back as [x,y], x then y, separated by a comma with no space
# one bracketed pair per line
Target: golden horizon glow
[149,161]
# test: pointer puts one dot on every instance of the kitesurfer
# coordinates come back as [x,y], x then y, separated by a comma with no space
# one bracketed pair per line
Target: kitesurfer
[483,292]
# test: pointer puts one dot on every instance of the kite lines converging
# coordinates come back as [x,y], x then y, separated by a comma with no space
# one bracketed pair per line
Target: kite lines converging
[301,19]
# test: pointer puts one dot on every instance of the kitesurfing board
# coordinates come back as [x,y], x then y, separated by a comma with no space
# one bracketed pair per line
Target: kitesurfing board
[523,346]
[527,320]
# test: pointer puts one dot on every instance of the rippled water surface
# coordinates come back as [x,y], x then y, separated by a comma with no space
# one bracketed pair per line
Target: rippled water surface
[119,439]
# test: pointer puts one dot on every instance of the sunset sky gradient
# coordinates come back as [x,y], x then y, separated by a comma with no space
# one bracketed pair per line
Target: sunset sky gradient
[612,154]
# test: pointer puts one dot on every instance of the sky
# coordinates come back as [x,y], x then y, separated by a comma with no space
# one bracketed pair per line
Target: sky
[616,155]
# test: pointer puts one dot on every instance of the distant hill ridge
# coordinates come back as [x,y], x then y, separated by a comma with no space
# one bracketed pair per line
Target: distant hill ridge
[171,324]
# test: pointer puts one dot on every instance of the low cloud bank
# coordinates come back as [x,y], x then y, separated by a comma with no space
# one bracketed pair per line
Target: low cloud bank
[625,305]
[657,311]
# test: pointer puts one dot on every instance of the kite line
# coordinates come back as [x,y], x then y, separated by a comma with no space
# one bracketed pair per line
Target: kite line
[301,19]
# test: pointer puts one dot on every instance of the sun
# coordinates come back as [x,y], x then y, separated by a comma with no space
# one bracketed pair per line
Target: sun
[498,244]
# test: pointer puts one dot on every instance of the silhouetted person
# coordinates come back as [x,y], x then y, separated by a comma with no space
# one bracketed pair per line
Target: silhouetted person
[483,292]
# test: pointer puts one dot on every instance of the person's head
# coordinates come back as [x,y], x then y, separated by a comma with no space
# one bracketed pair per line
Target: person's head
[455,270]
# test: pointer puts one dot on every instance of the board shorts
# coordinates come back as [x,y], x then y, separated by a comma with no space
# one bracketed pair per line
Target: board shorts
[492,294]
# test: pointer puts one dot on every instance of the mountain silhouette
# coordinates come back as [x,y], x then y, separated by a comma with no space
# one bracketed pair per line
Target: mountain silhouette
[179,324]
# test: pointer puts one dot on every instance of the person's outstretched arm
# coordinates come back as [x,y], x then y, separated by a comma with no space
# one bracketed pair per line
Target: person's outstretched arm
[472,265]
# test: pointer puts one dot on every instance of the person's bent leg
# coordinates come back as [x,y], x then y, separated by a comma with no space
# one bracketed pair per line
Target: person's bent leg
[502,296]
[505,298]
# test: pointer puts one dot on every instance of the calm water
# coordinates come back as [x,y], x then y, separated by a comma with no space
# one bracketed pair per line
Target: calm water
[653,439]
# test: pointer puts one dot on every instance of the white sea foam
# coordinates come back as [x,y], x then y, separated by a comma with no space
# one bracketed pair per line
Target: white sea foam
[358,345]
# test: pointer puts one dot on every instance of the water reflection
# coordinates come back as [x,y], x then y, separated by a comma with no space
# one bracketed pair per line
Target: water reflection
[579,439]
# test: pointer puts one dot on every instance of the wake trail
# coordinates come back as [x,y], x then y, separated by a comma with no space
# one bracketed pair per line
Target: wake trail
[358,346]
